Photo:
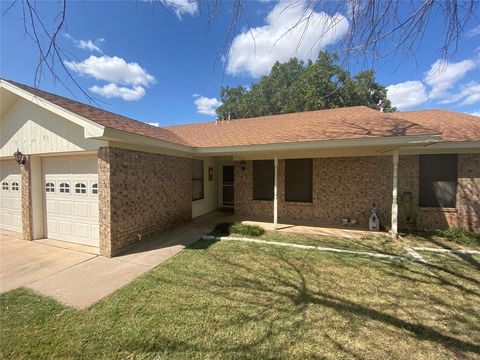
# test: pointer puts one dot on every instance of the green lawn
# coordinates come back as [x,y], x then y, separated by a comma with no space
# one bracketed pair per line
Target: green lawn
[231,300]
[375,243]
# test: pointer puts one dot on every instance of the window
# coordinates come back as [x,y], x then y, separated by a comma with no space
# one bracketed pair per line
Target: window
[80,188]
[197,179]
[263,179]
[298,180]
[4,185]
[438,180]
[15,186]
[64,188]
[95,189]
[49,187]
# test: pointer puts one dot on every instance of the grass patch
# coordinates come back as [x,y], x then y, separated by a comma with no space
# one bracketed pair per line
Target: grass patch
[372,242]
[234,300]
[460,236]
[226,229]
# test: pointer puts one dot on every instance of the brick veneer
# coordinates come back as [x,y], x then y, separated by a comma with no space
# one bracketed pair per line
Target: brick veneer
[140,193]
[26,186]
[467,211]
[348,186]
[468,192]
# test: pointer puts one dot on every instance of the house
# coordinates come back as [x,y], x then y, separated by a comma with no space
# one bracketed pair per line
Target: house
[98,178]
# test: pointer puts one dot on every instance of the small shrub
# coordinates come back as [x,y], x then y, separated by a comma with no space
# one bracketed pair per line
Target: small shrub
[221,229]
[459,235]
[247,230]
[225,229]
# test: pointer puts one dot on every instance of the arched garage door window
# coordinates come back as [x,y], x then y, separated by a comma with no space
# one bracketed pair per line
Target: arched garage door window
[64,188]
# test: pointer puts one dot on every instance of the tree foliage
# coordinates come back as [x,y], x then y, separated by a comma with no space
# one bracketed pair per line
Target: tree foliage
[295,86]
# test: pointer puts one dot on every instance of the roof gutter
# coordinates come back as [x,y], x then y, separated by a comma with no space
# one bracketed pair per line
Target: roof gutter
[111,134]
[418,140]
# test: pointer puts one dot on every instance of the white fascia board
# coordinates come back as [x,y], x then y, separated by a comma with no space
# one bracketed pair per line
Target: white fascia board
[91,128]
[443,147]
[326,144]
[123,136]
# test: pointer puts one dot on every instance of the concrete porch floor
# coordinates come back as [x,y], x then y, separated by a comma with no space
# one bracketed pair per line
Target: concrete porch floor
[312,229]
[76,275]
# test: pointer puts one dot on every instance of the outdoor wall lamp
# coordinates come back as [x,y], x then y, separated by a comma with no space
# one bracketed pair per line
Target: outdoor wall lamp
[243,165]
[19,157]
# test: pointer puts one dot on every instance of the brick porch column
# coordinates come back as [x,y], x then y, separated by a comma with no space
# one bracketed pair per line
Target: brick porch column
[26,187]
[104,202]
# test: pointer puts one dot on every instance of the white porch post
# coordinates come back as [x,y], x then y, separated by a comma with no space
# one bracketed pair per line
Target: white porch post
[394,195]
[275,200]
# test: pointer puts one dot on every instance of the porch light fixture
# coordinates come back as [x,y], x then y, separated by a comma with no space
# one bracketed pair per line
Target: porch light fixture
[243,165]
[19,157]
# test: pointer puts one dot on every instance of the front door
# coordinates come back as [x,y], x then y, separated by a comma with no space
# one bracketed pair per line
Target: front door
[227,185]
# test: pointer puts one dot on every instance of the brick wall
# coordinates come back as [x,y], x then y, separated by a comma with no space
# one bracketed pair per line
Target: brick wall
[26,180]
[347,187]
[468,192]
[467,211]
[140,193]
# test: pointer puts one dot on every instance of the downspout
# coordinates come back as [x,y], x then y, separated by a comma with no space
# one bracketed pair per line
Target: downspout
[275,199]
[394,195]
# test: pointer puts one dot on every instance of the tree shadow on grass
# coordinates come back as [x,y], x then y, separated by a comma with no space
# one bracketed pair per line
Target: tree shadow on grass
[465,257]
[276,292]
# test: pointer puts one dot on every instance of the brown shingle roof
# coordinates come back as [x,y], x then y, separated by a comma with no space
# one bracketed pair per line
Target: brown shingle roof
[454,126]
[103,117]
[333,124]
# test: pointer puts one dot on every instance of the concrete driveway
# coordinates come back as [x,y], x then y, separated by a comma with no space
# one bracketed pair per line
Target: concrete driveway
[75,275]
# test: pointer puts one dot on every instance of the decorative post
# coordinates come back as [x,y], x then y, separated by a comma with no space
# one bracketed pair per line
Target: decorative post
[394,195]
[275,200]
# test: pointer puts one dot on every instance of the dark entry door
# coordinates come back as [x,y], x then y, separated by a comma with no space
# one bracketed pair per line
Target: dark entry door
[228,189]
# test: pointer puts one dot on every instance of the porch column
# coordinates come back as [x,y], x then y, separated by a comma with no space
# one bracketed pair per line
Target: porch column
[275,200]
[394,195]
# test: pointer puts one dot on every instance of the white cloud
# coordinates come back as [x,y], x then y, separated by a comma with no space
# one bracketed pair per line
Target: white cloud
[112,69]
[206,106]
[471,91]
[89,45]
[114,91]
[475,113]
[291,29]
[474,31]
[180,7]
[443,76]
[86,44]
[154,124]
[407,94]
[442,80]
[469,94]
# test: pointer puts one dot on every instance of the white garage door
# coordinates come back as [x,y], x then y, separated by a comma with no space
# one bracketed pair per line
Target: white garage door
[10,193]
[71,199]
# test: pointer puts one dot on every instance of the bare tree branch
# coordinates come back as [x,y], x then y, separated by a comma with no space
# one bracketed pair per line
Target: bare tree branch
[377,29]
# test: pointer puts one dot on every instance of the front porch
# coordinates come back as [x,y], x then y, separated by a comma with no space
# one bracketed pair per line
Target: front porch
[311,229]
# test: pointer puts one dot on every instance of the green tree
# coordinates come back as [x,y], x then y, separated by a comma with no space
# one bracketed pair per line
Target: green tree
[297,86]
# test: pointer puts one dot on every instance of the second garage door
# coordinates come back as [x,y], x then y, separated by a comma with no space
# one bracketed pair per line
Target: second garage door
[71,199]
[10,196]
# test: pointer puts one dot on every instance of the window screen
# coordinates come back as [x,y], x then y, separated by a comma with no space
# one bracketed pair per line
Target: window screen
[197,179]
[298,180]
[438,180]
[263,179]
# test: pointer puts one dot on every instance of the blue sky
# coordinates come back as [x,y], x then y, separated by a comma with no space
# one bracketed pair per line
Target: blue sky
[162,66]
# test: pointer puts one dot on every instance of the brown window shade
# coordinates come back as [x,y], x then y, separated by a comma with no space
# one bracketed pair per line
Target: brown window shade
[263,179]
[298,180]
[197,179]
[438,180]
